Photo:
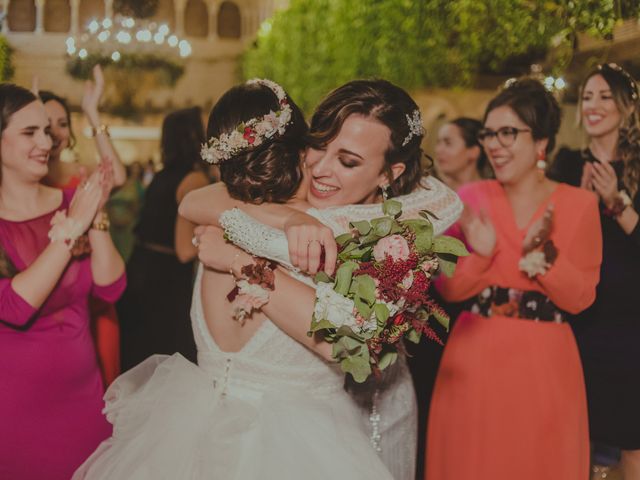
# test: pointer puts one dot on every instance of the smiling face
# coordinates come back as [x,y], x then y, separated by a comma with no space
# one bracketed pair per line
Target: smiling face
[515,162]
[600,113]
[351,167]
[60,131]
[452,154]
[26,144]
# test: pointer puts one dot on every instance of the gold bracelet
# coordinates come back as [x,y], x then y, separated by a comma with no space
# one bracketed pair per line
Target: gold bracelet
[100,129]
[103,224]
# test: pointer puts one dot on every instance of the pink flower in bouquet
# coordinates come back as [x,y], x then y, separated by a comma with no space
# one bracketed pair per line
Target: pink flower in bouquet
[394,246]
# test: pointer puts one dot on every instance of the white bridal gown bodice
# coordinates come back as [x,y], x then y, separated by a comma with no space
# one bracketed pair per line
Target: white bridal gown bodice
[388,407]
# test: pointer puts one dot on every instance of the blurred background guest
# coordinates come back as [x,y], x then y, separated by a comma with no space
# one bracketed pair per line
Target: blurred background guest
[459,157]
[123,208]
[608,332]
[51,399]
[154,310]
[63,174]
[509,399]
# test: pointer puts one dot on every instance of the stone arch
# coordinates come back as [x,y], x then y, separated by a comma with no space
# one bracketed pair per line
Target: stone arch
[229,20]
[22,16]
[57,16]
[196,19]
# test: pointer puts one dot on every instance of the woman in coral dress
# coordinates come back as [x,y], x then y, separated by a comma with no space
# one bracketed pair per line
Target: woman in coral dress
[509,400]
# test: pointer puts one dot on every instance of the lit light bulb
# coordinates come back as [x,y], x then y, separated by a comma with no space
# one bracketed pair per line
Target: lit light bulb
[172,41]
[115,56]
[71,42]
[83,53]
[163,29]
[123,37]
[106,23]
[94,26]
[71,50]
[158,38]
[560,84]
[103,36]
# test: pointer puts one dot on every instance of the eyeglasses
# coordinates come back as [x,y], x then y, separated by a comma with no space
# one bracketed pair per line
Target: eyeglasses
[506,135]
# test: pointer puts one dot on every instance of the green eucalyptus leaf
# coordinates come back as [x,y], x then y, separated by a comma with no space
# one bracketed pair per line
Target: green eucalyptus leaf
[413,336]
[362,306]
[358,366]
[365,288]
[387,358]
[344,276]
[450,245]
[424,241]
[382,313]
[345,238]
[362,226]
[382,226]
[447,263]
[392,208]
[322,277]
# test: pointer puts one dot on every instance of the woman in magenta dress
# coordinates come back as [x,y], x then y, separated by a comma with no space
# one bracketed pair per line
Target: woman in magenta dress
[51,386]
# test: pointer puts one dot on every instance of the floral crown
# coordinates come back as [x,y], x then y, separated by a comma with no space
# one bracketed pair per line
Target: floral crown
[252,132]
[633,87]
[415,126]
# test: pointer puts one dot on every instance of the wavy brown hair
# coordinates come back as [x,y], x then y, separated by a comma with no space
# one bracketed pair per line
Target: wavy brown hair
[12,99]
[624,91]
[270,172]
[384,102]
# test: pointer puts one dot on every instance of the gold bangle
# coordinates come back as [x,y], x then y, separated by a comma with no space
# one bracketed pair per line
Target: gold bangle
[100,129]
[103,224]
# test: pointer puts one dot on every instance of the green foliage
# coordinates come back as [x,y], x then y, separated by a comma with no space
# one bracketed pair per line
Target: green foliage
[317,45]
[168,71]
[6,60]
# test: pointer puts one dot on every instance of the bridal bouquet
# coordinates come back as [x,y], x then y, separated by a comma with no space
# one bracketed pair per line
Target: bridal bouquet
[379,294]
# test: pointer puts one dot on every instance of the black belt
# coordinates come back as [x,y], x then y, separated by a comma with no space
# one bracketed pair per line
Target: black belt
[511,302]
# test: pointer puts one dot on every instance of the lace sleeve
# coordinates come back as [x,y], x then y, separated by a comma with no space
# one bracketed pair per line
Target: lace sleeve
[254,237]
[432,195]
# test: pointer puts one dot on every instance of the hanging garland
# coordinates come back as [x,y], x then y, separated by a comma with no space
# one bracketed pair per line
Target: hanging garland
[136,8]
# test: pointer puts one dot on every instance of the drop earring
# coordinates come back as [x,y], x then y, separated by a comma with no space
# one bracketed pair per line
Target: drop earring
[541,164]
[385,191]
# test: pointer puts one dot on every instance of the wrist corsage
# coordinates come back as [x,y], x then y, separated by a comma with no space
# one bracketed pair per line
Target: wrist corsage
[252,288]
[621,202]
[65,229]
[539,260]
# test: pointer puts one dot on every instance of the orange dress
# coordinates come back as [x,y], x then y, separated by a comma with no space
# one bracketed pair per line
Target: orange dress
[105,328]
[509,400]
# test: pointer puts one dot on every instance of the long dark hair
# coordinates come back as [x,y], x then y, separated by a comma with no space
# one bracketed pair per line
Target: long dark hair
[12,99]
[624,91]
[534,105]
[384,102]
[269,172]
[182,135]
[469,128]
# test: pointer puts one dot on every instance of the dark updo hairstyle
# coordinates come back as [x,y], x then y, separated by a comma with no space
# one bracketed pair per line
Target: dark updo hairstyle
[384,102]
[534,105]
[12,99]
[271,171]
[47,96]
[182,136]
[469,128]
[624,91]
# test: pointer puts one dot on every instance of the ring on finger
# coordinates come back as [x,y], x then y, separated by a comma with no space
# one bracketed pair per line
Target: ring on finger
[195,241]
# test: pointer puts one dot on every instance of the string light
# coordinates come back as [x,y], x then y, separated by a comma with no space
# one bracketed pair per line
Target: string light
[130,36]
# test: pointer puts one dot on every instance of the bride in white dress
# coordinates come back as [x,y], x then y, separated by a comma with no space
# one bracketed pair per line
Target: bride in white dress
[260,404]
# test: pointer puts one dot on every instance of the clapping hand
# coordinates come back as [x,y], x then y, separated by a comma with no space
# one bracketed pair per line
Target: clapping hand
[478,231]
[539,232]
[86,200]
[93,91]
[605,183]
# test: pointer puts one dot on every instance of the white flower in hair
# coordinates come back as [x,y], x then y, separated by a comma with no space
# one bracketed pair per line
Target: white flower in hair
[252,132]
[415,126]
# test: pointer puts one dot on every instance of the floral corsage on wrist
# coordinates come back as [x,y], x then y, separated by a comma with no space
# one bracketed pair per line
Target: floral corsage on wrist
[251,291]
[379,296]
[68,231]
[539,253]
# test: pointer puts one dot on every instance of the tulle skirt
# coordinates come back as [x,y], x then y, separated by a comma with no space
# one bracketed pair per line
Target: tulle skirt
[172,422]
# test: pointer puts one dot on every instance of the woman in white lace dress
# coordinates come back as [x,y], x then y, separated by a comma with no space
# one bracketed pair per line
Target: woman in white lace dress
[260,404]
[365,135]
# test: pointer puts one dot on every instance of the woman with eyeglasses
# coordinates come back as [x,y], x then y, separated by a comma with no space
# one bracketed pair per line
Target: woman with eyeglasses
[608,332]
[509,401]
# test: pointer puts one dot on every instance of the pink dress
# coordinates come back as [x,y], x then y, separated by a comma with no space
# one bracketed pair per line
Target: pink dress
[50,384]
